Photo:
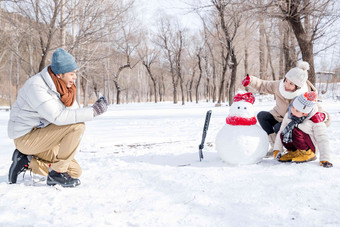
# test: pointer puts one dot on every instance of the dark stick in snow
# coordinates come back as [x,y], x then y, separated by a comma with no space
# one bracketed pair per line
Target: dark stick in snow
[205,129]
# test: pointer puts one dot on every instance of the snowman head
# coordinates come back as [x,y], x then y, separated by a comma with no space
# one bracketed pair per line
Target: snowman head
[243,106]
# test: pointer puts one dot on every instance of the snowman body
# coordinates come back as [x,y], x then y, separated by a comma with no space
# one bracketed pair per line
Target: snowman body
[241,141]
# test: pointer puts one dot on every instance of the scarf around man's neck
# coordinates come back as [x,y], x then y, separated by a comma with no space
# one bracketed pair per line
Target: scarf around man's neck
[288,131]
[68,95]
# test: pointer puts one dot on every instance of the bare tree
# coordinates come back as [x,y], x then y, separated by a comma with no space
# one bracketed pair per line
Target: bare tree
[168,42]
[262,43]
[199,63]
[228,29]
[210,60]
[179,49]
[148,57]
[269,52]
[126,49]
[308,19]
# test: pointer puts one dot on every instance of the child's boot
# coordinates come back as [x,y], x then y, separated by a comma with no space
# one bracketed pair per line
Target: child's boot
[304,156]
[289,156]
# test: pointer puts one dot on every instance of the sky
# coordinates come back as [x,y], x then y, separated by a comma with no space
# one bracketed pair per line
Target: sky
[150,12]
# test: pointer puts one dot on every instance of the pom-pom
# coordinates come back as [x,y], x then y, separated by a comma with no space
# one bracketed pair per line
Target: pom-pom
[311,96]
[303,65]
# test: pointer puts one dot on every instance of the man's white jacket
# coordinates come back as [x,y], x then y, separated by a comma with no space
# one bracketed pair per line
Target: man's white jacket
[38,104]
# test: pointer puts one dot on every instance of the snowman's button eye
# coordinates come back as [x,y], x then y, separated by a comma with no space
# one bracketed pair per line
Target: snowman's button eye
[245,108]
[238,107]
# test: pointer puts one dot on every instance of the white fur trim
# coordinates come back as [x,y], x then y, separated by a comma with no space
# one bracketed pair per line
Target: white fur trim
[289,94]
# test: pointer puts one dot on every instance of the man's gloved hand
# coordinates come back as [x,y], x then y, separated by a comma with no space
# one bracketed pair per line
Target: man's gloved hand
[100,106]
[326,164]
[246,81]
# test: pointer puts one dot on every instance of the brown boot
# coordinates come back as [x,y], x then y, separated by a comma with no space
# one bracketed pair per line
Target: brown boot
[289,156]
[304,156]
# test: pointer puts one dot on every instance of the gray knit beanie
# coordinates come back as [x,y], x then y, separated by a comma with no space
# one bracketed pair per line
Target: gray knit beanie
[62,62]
[305,102]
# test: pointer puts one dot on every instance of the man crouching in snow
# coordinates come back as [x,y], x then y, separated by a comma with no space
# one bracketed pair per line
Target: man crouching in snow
[46,123]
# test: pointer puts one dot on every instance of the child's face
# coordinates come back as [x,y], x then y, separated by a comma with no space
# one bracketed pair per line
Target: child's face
[289,85]
[297,113]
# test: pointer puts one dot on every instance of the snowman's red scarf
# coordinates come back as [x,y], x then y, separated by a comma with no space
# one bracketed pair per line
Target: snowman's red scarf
[234,120]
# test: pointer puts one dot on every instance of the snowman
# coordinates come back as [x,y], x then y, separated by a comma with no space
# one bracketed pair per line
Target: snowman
[241,141]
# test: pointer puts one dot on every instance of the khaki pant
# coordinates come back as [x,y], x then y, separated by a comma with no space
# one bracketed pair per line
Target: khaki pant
[53,146]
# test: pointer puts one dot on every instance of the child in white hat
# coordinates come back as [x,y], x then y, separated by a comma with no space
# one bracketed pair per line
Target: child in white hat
[303,133]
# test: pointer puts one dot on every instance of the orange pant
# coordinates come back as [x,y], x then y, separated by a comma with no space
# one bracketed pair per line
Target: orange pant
[53,146]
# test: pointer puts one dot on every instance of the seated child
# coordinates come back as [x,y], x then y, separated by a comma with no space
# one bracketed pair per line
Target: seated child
[303,133]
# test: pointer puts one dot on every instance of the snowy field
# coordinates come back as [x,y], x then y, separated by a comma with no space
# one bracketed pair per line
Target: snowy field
[141,168]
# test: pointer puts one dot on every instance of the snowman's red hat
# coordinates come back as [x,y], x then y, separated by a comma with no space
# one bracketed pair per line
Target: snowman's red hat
[248,97]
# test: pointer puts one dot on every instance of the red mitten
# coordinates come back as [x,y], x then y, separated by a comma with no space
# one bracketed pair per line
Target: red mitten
[318,117]
[246,81]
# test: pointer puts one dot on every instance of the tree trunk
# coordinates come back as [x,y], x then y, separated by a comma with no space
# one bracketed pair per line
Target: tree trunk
[62,25]
[200,75]
[214,89]
[286,49]
[45,49]
[174,86]
[155,89]
[222,89]
[85,95]
[228,46]
[232,78]
[178,61]
[10,81]
[304,40]
[191,84]
[269,57]
[148,68]
[207,76]
[118,92]
[17,71]
[160,89]
[262,48]
[246,59]
[281,58]
[182,92]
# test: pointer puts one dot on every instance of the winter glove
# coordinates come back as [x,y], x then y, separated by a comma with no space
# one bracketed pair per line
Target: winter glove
[100,106]
[326,164]
[246,81]
[318,117]
[276,153]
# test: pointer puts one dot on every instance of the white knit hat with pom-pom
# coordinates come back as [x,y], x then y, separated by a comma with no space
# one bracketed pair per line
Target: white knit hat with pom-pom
[298,75]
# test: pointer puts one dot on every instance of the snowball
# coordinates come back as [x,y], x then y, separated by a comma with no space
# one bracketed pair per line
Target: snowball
[242,145]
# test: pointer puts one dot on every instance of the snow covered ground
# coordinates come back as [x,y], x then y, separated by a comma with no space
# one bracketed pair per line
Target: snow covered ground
[141,168]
